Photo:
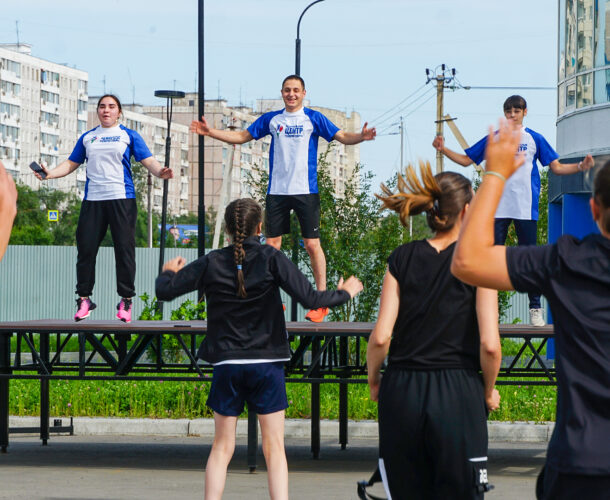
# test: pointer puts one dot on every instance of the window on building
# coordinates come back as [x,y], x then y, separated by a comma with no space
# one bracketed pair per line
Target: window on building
[82,106]
[12,66]
[49,159]
[9,110]
[10,88]
[51,119]
[7,132]
[49,140]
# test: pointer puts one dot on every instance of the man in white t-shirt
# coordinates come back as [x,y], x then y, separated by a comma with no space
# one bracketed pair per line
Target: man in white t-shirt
[519,202]
[293,164]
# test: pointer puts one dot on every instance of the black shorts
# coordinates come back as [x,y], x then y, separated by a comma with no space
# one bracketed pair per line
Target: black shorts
[277,214]
[556,485]
[262,385]
[433,434]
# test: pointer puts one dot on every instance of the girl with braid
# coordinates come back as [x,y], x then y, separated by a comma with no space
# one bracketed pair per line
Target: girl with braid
[246,340]
[440,332]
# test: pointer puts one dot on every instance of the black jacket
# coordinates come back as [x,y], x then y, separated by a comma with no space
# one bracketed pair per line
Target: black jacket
[252,327]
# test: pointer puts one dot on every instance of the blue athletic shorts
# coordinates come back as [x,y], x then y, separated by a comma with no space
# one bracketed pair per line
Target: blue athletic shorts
[261,385]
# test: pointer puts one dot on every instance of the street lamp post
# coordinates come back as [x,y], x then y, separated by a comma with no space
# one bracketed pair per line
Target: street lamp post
[297,60]
[169,95]
[297,71]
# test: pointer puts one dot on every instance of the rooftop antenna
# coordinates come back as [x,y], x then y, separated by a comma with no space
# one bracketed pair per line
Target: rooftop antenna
[218,87]
[17,29]
[104,82]
[133,88]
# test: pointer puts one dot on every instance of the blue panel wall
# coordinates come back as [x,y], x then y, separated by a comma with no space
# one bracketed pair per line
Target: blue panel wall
[577,218]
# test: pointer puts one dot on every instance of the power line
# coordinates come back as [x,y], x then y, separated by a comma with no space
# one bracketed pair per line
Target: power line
[397,111]
[394,107]
[478,87]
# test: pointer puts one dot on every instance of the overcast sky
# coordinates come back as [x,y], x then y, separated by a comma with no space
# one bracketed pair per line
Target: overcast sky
[362,55]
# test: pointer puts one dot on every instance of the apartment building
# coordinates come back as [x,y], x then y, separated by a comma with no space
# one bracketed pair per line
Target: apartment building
[43,110]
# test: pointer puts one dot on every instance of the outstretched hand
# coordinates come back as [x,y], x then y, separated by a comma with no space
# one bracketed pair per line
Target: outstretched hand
[368,134]
[201,127]
[174,264]
[352,285]
[43,165]
[587,163]
[502,148]
[438,143]
[166,173]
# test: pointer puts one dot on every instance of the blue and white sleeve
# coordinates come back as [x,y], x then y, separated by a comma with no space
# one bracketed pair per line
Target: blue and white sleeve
[79,153]
[260,127]
[139,149]
[477,152]
[546,153]
[323,126]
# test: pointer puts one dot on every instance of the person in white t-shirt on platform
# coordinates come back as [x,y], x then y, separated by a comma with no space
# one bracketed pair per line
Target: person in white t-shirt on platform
[293,166]
[519,203]
[109,201]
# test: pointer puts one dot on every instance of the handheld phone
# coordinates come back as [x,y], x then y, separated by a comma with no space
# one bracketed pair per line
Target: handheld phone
[38,169]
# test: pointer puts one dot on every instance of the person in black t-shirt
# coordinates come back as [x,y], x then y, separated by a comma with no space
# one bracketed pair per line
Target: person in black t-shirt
[574,276]
[439,331]
[246,339]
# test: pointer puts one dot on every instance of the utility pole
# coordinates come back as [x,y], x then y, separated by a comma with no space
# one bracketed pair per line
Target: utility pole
[443,77]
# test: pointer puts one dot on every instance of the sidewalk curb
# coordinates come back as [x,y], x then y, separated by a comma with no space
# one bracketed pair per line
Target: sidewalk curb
[514,432]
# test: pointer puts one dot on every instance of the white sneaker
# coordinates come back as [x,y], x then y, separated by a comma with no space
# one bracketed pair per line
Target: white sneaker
[537,317]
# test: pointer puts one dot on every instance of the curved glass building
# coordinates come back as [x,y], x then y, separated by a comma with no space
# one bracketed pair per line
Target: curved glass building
[583,109]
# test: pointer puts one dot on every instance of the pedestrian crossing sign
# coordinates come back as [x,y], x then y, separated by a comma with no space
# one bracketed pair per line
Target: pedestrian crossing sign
[53,215]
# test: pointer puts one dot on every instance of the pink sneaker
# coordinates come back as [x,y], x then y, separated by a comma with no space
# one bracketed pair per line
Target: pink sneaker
[124,308]
[84,308]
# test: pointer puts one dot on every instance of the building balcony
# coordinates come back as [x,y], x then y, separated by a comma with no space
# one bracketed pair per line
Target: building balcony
[9,76]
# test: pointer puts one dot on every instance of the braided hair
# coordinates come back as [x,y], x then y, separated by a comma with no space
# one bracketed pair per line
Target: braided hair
[241,220]
[442,196]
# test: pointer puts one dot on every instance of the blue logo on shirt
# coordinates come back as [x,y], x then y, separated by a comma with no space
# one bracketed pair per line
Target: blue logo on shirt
[115,138]
[294,131]
[522,147]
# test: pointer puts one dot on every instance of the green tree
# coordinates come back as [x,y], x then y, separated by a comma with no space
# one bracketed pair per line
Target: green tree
[31,225]
[355,237]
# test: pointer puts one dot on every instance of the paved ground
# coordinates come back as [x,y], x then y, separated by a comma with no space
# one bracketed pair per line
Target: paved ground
[140,467]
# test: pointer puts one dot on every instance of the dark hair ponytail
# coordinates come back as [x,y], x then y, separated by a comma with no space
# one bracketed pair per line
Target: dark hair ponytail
[441,196]
[241,220]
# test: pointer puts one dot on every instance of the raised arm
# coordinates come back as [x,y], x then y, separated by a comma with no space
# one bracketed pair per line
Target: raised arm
[296,284]
[491,350]
[559,168]
[379,341]
[177,279]
[8,208]
[476,260]
[230,136]
[155,168]
[64,168]
[460,159]
[350,138]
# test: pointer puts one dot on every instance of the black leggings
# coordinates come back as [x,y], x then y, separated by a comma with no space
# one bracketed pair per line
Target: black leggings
[94,219]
